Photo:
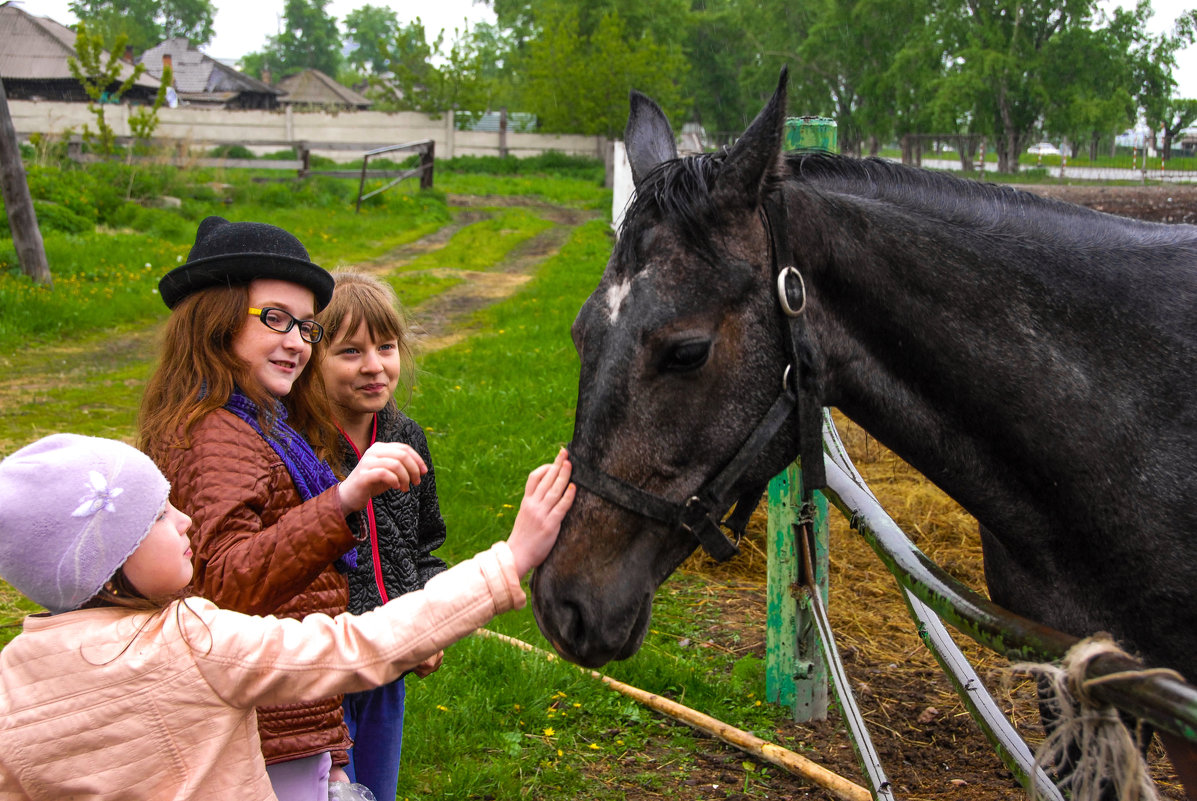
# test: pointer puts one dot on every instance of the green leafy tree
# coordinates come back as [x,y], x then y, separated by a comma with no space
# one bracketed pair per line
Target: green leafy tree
[310,40]
[101,81]
[997,59]
[1090,81]
[367,29]
[568,91]
[1171,119]
[409,80]
[475,74]
[1165,114]
[470,75]
[143,120]
[723,63]
[145,23]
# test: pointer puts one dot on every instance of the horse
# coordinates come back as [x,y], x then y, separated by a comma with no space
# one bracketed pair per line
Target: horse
[1032,358]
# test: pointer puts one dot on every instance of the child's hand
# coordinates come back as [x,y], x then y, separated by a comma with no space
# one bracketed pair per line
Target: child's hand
[547,497]
[429,666]
[384,466]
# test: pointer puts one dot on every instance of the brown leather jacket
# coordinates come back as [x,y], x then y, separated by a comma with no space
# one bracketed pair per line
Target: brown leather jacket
[258,550]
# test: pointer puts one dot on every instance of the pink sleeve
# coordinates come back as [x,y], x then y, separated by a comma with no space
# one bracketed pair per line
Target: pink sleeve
[263,661]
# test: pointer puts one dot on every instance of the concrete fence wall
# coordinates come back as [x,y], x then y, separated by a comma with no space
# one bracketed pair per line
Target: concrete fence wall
[266,131]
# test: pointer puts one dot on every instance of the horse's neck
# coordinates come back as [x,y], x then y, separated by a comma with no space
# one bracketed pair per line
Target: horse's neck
[975,358]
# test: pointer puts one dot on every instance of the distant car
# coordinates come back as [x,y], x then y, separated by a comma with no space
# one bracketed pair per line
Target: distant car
[1043,149]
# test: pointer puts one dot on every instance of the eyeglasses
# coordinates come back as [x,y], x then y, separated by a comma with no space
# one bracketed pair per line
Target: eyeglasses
[283,321]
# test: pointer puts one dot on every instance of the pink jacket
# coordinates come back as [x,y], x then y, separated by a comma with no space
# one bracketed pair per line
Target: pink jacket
[113,704]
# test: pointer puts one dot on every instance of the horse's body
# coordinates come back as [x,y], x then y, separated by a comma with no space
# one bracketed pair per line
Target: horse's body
[1035,359]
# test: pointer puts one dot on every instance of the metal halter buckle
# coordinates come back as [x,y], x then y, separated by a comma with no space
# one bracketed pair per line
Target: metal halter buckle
[783,296]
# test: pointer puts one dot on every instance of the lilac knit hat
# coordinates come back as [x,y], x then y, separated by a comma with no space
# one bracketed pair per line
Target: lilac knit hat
[72,510]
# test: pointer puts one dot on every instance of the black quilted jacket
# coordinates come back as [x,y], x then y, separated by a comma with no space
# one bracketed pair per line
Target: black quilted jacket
[409,524]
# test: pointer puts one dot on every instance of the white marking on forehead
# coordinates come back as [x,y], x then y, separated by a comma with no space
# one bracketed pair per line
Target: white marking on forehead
[615,297]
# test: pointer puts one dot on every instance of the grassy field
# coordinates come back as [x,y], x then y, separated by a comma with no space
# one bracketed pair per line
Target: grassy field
[495,722]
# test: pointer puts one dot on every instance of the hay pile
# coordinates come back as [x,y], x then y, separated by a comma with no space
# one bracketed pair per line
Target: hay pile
[929,745]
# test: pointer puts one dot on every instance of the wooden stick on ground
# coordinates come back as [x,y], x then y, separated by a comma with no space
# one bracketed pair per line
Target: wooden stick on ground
[784,758]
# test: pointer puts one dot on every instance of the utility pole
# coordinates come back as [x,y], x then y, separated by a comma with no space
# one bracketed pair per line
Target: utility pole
[26,236]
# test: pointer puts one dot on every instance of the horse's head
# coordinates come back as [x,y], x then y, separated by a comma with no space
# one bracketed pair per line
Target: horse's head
[682,353]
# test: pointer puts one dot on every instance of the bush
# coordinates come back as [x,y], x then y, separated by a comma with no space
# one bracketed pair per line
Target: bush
[75,190]
[551,163]
[53,217]
[158,223]
[231,152]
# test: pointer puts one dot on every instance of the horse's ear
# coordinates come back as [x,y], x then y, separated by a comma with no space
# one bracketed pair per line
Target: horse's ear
[755,154]
[648,137]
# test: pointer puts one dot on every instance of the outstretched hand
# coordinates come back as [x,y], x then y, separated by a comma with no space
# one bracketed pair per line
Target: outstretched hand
[547,497]
[384,466]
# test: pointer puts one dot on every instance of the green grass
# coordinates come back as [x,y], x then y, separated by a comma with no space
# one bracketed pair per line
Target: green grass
[495,722]
[574,192]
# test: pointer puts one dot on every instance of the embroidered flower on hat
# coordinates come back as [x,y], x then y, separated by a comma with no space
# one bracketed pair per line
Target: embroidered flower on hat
[101,496]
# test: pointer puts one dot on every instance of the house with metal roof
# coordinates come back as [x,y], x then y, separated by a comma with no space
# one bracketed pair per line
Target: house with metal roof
[314,88]
[34,57]
[200,80]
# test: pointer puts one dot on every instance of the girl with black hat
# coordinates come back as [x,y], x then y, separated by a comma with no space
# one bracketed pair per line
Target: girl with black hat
[125,692]
[242,429]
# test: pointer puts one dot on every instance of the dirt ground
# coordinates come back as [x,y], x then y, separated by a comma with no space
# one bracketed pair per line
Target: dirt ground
[929,746]
[1175,203]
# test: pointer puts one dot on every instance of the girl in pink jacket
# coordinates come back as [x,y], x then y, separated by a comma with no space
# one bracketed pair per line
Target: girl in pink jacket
[125,691]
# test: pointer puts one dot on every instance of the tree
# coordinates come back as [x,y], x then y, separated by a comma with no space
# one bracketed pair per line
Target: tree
[407,79]
[101,81]
[14,191]
[723,65]
[996,55]
[367,29]
[145,23]
[1163,112]
[1173,118]
[568,91]
[1090,80]
[309,40]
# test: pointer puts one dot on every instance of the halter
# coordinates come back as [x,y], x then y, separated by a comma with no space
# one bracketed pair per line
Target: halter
[701,514]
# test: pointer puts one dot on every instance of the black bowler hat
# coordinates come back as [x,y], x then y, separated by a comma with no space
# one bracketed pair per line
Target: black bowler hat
[227,253]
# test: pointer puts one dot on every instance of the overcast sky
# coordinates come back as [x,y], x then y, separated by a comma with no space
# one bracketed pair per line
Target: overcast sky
[243,25]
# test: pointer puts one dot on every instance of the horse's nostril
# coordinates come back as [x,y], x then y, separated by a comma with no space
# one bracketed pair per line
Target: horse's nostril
[570,622]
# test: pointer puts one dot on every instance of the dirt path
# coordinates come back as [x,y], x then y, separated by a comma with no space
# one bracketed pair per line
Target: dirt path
[36,375]
[443,320]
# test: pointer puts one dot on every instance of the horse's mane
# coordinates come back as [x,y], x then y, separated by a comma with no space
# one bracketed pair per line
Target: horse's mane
[680,191]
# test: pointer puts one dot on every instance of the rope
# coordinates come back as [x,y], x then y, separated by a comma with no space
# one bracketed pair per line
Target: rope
[1089,748]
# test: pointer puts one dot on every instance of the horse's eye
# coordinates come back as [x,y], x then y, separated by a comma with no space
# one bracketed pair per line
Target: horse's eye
[688,355]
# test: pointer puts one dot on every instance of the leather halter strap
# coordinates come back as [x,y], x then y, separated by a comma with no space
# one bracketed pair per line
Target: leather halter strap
[701,513]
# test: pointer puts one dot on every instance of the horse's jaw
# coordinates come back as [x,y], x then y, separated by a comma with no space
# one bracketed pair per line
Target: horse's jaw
[595,608]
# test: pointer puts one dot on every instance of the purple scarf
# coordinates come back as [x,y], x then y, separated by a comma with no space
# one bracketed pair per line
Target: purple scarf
[311,474]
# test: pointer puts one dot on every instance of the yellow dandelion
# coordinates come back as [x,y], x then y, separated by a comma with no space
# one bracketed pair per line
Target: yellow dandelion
[548,732]
[442,708]
[560,753]
[594,747]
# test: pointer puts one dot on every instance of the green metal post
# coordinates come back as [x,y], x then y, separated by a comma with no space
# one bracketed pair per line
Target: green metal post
[795,674]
